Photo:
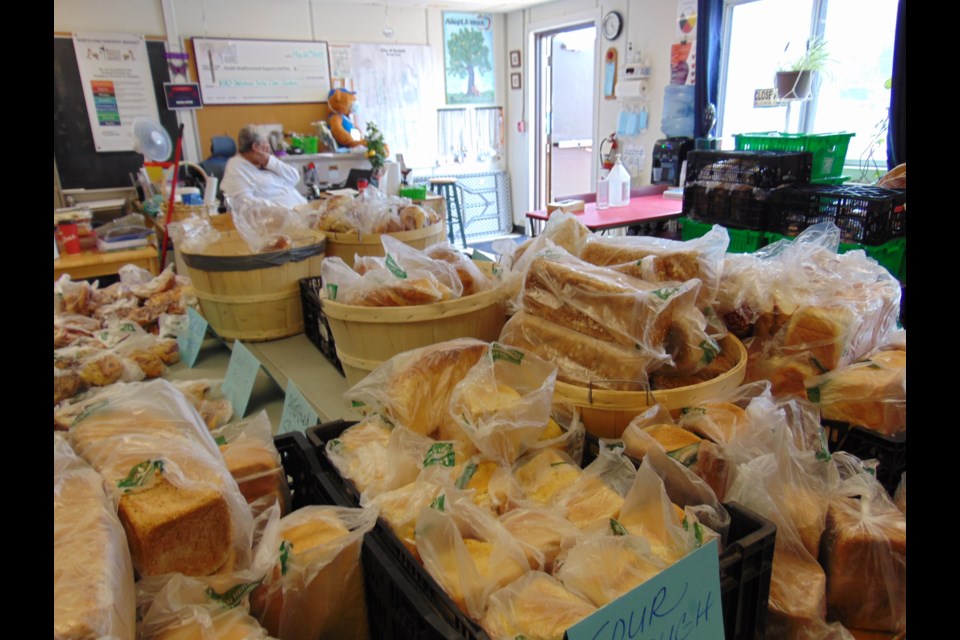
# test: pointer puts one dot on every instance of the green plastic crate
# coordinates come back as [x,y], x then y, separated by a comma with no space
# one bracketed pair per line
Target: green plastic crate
[741,240]
[892,255]
[414,193]
[829,149]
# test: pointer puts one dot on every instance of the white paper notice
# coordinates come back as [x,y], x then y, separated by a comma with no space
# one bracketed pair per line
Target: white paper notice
[117,86]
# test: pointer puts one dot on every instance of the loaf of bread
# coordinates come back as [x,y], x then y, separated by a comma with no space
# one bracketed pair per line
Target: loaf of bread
[66,384]
[603,568]
[864,554]
[360,452]
[718,422]
[401,507]
[254,462]
[399,293]
[535,606]
[545,475]
[600,303]
[223,624]
[580,359]
[589,500]
[93,593]
[564,230]
[871,392]
[179,506]
[798,605]
[473,280]
[543,534]
[316,589]
[677,442]
[438,368]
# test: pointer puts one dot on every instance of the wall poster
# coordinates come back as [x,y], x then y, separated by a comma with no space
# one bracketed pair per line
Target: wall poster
[468,58]
[117,86]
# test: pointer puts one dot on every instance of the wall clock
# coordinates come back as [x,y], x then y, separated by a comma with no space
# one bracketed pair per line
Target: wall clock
[612,25]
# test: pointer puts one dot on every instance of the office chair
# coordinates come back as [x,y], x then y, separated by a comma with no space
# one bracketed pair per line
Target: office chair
[222,148]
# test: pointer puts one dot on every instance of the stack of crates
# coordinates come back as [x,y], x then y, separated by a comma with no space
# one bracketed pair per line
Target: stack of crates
[735,188]
[829,150]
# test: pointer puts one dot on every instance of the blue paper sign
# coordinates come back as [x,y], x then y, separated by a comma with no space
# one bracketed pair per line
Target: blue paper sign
[681,603]
[241,374]
[298,415]
[190,340]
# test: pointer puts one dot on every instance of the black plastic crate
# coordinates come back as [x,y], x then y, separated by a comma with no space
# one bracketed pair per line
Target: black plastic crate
[745,563]
[864,214]
[762,169]
[308,484]
[730,205]
[315,323]
[889,451]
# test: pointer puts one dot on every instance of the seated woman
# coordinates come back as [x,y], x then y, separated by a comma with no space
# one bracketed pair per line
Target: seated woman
[255,174]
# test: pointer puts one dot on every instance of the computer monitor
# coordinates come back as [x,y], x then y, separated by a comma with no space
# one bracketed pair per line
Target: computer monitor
[355,175]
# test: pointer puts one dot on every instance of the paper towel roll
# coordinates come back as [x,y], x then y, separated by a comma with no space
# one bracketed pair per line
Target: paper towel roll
[390,182]
[210,192]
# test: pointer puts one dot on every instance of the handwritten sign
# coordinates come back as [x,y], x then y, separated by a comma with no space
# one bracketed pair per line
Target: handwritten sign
[190,340]
[681,603]
[241,374]
[298,415]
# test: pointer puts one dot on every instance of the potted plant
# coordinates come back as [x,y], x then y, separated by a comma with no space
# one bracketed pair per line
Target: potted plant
[377,151]
[795,79]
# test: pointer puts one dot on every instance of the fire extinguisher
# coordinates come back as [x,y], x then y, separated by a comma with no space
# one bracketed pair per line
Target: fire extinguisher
[609,157]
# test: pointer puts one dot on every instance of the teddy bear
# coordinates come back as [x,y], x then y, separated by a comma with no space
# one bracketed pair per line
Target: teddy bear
[344,131]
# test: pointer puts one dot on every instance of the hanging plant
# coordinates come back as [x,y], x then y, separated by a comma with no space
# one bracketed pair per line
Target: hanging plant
[794,79]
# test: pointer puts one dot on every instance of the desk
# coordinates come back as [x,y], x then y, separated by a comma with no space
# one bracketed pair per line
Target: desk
[641,210]
[90,264]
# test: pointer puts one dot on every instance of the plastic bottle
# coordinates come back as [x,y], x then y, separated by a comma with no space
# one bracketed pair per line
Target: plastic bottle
[603,193]
[619,179]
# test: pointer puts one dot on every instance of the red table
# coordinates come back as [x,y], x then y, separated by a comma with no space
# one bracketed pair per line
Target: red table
[641,210]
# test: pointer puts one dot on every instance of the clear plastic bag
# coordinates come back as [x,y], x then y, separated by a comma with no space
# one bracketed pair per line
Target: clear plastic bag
[265,226]
[864,553]
[400,508]
[396,387]
[663,260]
[360,452]
[871,392]
[207,398]
[470,275]
[467,551]
[315,589]
[402,258]
[376,212]
[542,533]
[503,402]
[93,594]
[597,494]
[73,297]
[193,235]
[181,508]
[254,462]
[391,286]
[536,606]
[900,495]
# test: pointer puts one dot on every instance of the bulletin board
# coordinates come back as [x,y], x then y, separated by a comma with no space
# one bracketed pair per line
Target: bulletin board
[79,164]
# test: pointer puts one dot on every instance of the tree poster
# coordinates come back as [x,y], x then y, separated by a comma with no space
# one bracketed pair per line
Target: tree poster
[468,58]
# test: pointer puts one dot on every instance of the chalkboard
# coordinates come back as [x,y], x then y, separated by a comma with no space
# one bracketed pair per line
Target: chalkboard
[78,162]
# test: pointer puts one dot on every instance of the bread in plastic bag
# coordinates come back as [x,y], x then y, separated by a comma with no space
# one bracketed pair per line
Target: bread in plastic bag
[396,388]
[503,402]
[265,226]
[871,392]
[181,509]
[664,260]
[360,452]
[864,553]
[67,383]
[471,277]
[388,287]
[68,327]
[412,260]
[315,589]
[93,593]
[543,475]
[602,568]
[535,606]
[254,462]
[542,533]
[602,303]
[596,495]
[467,551]
[564,431]
[401,507]
[207,398]
[580,359]
[900,494]
[73,297]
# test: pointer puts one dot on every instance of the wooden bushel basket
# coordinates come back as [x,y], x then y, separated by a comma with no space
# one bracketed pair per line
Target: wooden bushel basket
[346,245]
[254,297]
[367,336]
[607,413]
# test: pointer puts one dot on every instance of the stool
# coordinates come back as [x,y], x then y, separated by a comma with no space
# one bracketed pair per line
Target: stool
[447,187]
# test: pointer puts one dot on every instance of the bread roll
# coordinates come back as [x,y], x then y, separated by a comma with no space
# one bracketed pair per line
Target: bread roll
[413,216]
[471,277]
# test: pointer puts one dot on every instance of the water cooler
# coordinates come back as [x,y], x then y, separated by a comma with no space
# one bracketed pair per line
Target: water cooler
[677,124]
